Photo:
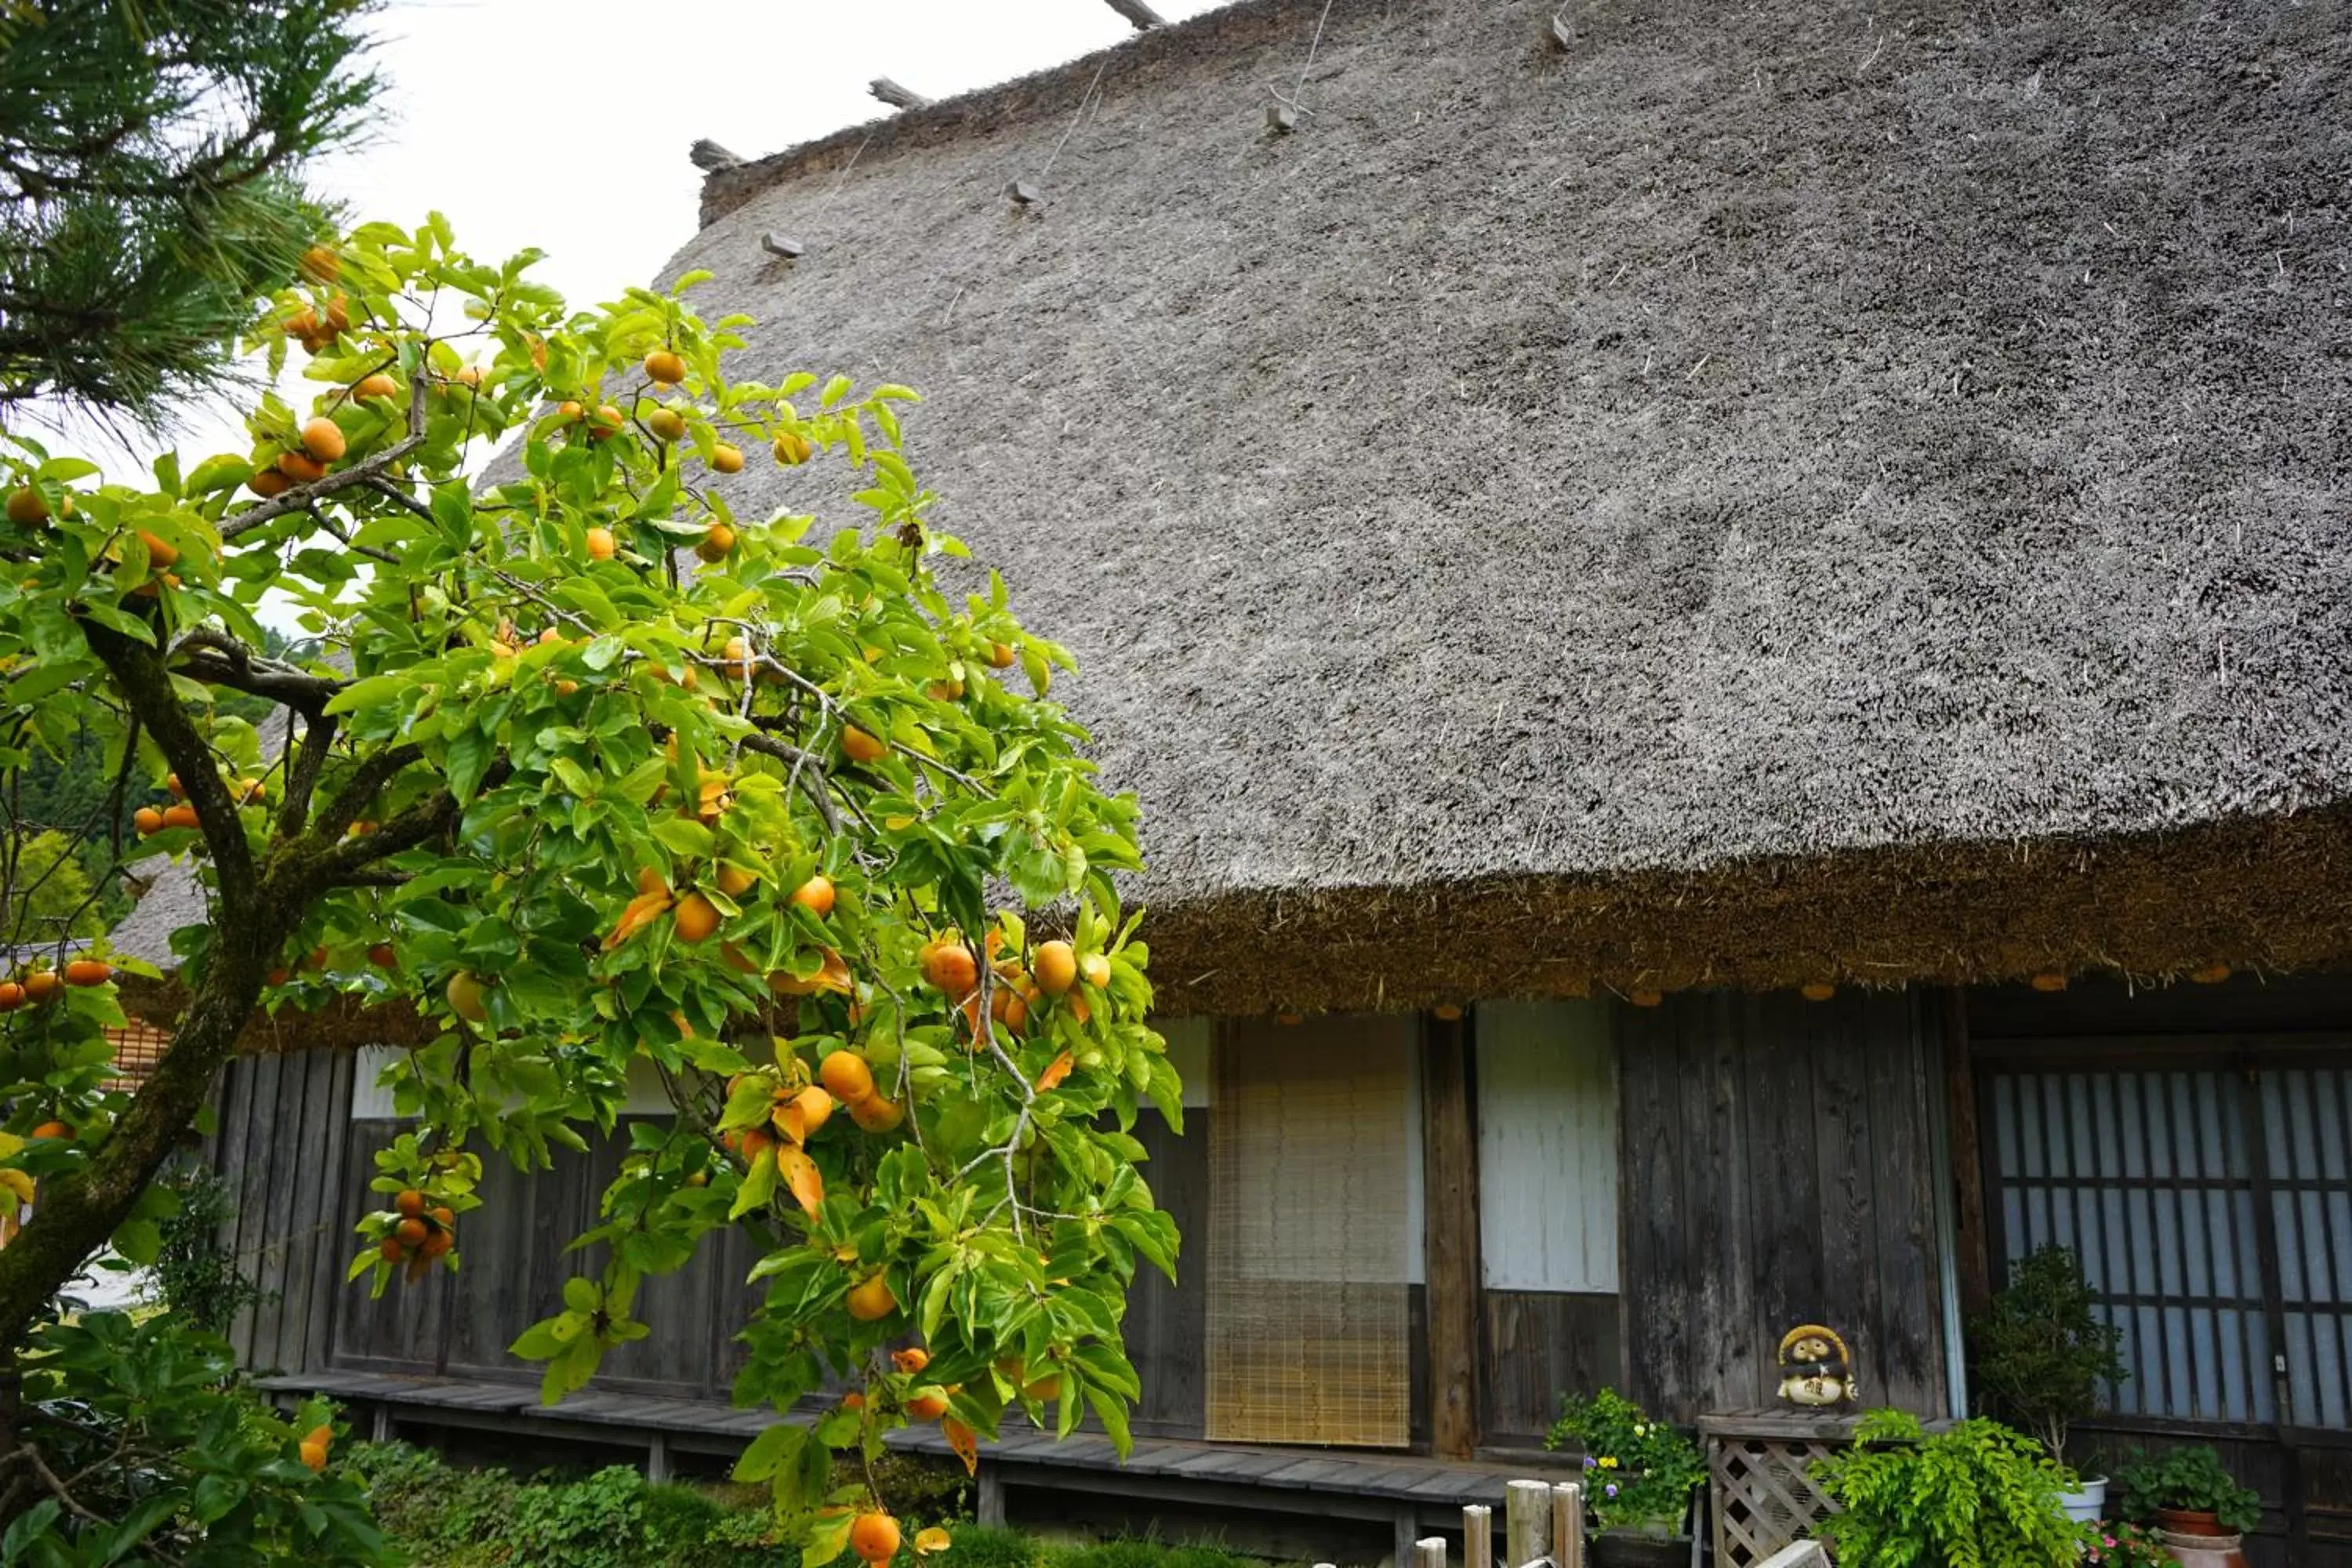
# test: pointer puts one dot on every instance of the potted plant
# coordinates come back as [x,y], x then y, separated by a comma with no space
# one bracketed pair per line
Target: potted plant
[2187,1493]
[2127,1546]
[2040,1354]
[1639,1477]
[1977,1493]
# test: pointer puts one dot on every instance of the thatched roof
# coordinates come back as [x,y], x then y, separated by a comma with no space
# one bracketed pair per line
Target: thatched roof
[1816,490]
[1761,458]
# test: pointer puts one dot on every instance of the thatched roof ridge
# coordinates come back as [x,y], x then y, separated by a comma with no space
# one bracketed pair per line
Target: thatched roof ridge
[1759,437]
[1013,106]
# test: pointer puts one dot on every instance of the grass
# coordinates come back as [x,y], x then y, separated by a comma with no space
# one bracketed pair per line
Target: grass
[447,1516]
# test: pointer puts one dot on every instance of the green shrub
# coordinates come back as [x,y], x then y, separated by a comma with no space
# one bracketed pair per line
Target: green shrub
[452,1515]
[985,1546]
[1132,1552]
[194,1272]
[2190,1479]
[1979,1496]
[165,1455]
[447,1516]
[592,1523]
[1639,1472]
[923,1486]
[2039,1353]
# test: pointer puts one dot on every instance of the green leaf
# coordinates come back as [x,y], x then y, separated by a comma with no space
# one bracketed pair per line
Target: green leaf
[1111,1411]
[759,1187]
[224,472]
[470,760]
[775,1448]
[139,1240]
[684,835]
[375,691]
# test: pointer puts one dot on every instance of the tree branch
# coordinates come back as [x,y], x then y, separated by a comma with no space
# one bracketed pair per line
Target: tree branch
[366,781]
[218,659]
[367,470]
[302,778]
[807,766]
[420,824]
[146,685]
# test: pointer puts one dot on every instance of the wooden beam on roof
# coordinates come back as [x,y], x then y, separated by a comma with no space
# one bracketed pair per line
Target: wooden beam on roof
[1449,1149]
[1144,17]
[896,97]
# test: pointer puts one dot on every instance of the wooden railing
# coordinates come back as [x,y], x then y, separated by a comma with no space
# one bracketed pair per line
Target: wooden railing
[1543,1527]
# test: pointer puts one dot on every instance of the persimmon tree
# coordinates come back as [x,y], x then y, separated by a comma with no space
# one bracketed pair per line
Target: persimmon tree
[580,774]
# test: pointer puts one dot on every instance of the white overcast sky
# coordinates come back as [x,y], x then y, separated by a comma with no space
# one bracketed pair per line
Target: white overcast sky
[564,124]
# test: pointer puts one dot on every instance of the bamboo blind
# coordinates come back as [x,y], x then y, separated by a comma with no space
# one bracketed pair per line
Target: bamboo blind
[1310,1243]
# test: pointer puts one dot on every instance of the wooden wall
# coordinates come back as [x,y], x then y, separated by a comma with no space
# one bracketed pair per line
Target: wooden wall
[515,1265]
[1779,1168]
[1772,1165]
[299,1164]
[1167,1325]
[280,1137]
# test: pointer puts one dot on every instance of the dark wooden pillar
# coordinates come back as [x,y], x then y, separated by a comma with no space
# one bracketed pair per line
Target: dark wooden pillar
[1450,1249]
[1974,1264]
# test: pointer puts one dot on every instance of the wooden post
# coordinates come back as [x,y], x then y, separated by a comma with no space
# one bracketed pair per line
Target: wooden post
[1974,1264]
[658,1458]
[992,1497]
[1568,1525]
[1478,1536]
[1428,1552]
[1450,1236]
[1526,1511]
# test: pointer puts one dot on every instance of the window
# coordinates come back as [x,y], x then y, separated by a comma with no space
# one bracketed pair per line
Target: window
[2212,1213]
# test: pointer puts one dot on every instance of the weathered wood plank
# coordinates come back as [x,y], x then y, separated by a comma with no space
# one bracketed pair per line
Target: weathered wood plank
[318,1226]
[1785,1201]
[247,1190]
[1720,1259]
[677,1358]
[400,1331]
[1912,1369]
[341,1208]
[1973,1241]
[1651,1216]
[1833,1035]
[1775,1158]
[1166,1325]
[277,1134]
[1450,1245]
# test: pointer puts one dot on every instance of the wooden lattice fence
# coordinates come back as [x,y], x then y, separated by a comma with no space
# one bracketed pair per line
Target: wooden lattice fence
[1544,1528]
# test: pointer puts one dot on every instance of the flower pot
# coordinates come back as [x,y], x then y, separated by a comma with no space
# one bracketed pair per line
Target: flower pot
[1638,1548]
[2184,1521]
[2198,1551]
[2087,1501]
